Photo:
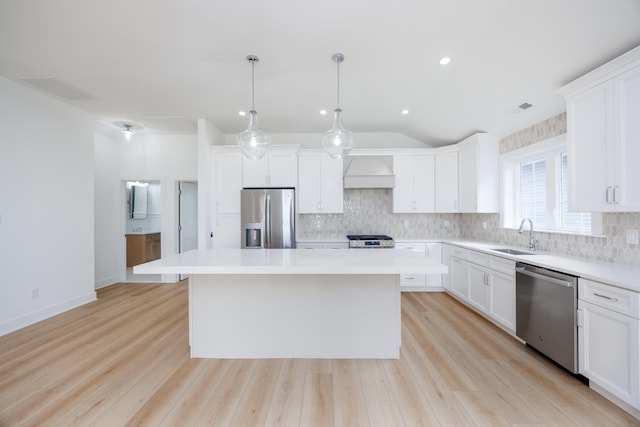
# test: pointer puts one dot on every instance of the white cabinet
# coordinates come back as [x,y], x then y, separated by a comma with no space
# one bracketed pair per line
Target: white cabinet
[414,190]
[608,339]
[446,260]
[446,173]
[478,174]
[227,181]
[459,272]
[603,131]
[485,282]
[278,168]
[479,287]
[320,187]
[434,251]
[502,288]
[421,282]
[226,175]
[412,280]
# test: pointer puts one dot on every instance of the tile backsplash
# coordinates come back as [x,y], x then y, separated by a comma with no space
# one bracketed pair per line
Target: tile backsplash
[370,211]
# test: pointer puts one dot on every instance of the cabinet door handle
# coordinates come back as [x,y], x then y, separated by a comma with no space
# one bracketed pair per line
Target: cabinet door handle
[607,191]
[615,194]
[605,297]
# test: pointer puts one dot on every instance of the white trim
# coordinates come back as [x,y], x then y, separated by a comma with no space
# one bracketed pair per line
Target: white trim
[37,316]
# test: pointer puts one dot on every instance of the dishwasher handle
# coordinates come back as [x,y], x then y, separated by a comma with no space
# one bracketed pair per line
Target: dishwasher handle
[553,280]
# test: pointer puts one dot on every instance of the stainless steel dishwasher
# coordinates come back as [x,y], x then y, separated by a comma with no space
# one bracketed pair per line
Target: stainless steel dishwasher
[546,303]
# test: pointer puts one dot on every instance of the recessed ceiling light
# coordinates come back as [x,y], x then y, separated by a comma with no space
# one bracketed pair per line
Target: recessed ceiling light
[445,60]
[242,113]
[405,112]
[323,112]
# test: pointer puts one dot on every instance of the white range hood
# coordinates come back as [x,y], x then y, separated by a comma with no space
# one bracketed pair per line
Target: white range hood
[369,172]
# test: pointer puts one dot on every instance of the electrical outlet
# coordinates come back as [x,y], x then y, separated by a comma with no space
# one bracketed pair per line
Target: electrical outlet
[405,223]
[35,293]
[484,225]
[632,237]
[446,223]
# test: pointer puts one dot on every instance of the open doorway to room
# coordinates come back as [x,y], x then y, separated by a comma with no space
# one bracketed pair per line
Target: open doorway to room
[187,217]
[142,227]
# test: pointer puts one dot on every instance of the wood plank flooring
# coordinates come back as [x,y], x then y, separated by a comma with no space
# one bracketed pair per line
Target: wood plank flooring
[124,360]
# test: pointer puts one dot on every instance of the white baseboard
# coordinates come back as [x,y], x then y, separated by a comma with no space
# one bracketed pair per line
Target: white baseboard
[107,281]
[31,318]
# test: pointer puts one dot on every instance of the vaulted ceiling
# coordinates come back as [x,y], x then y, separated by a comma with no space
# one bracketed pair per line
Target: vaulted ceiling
[165,63]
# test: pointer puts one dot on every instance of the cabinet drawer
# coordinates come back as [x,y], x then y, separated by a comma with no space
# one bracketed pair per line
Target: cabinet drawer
[502,265]
[412,279]
[413,247]
[458,252]
[620,300]
[478,258]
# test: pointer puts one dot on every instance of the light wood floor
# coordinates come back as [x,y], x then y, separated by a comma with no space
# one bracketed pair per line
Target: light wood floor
[123,360]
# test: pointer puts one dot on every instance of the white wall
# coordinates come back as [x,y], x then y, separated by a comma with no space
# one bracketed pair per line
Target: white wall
[208,135]
[164,158]
[46,206]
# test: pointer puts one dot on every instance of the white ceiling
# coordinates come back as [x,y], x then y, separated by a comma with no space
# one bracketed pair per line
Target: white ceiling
[165,63]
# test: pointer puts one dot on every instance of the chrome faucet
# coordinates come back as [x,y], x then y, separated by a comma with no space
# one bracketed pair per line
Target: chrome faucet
[533,242]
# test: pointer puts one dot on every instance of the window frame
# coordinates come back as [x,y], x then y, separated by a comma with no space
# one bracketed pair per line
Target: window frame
[510,195]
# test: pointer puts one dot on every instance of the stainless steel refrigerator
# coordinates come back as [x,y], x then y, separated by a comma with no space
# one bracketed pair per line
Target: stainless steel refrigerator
[268,218]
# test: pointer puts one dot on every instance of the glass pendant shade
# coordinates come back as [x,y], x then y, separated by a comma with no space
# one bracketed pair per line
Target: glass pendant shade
[337,141]
[253,142]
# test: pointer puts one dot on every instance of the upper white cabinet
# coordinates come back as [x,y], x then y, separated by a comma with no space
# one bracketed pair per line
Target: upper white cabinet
[446,167]
[320,188]
[414,190]
[478,174]
[603,137]
[278,168]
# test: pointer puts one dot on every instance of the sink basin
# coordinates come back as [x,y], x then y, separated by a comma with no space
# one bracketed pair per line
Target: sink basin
[511,251]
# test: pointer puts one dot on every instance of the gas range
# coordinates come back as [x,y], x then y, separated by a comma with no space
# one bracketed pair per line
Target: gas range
[372,241]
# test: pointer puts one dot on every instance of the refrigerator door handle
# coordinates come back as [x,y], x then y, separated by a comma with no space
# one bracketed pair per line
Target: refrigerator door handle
[267,221]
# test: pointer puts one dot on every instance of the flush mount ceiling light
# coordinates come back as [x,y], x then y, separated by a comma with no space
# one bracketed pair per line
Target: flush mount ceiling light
[445,60]
[253,142]
[128,129]
[337,141]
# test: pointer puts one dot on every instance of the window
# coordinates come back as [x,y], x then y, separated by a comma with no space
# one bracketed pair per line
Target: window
[535,185]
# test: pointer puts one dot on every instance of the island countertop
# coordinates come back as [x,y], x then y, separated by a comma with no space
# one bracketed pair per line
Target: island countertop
[294,261]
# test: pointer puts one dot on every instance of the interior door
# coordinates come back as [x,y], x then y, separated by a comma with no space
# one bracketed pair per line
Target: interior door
[187,217]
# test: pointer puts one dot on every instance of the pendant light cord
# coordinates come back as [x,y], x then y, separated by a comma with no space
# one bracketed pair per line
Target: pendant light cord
[253,64]
[338,79]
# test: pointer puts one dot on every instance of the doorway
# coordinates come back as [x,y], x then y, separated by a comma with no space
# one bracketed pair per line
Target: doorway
[187,217]
[142,227]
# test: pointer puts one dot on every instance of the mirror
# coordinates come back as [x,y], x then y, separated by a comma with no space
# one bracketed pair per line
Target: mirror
[139,201]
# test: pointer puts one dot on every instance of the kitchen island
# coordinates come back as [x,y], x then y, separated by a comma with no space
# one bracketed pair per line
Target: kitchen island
[294,303]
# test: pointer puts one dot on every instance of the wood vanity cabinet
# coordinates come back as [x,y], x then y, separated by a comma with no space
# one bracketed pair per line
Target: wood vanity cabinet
[142,248]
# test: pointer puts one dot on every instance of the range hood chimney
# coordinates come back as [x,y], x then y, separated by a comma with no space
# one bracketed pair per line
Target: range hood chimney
[369,172]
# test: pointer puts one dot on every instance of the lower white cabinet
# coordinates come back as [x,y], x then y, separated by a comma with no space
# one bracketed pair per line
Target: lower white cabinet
[459,273]
[421,282]
[484,282]
[608,339]
[479,287]
[226,231]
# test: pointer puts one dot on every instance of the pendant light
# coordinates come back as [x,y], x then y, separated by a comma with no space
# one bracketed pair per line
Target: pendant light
[252,140]
[128,133]
[337,141]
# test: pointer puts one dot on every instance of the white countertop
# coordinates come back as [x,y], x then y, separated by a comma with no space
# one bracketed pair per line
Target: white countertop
[294,261]
[617,275]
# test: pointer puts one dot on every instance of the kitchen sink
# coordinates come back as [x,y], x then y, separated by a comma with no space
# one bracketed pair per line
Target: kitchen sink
[511,251]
